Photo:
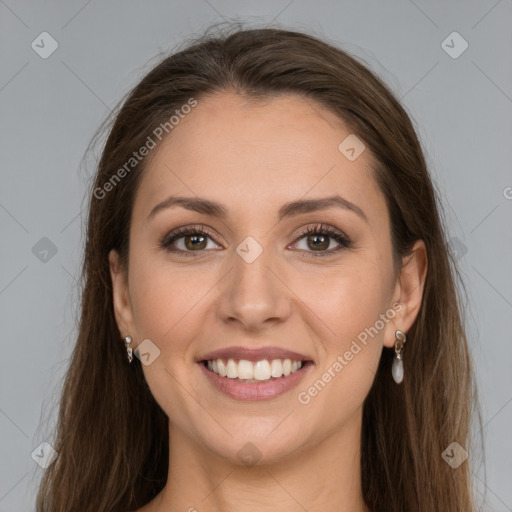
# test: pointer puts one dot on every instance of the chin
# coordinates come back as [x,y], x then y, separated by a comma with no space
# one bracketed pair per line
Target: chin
[258,442]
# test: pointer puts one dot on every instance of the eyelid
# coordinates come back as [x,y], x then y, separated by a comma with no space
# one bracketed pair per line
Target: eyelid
[321,227]
[336,234]
[343,240]
[183,231]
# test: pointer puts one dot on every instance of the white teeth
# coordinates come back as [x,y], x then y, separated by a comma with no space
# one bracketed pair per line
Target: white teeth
[262,370]
[276,368]
[232,369]
[259,370]
[221,367]
[245,370]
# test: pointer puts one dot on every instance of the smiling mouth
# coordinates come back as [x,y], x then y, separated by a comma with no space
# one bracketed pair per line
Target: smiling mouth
[251,372]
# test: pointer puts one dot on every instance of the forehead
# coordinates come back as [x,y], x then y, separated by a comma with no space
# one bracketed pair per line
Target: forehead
[282,148]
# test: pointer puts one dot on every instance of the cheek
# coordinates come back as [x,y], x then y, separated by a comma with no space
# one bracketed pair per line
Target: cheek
[166,304]
[164,299]
[346,298]
[348,304]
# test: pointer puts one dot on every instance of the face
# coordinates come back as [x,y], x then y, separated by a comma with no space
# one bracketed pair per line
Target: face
[254,278]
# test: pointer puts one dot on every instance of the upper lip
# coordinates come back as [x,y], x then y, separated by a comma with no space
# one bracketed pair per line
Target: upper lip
[254,354]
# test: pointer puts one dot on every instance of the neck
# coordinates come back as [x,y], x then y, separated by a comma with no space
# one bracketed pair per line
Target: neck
[323,477]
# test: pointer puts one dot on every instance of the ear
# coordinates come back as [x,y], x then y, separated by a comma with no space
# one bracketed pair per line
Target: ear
[121,296]
[408,292]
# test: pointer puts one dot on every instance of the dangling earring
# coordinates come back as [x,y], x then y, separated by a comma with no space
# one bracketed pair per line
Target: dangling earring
[129,350]
[397,370]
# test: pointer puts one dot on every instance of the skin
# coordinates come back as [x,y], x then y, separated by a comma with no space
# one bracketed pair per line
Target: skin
[253,157]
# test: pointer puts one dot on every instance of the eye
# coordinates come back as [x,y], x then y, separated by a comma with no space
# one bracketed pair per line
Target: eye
[194,239]
[186,240]
[318,239]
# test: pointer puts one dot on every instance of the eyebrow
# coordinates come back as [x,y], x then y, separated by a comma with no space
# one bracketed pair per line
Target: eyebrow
[291,209]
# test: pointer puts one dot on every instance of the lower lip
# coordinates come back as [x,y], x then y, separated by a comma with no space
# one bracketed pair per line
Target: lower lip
[255,390]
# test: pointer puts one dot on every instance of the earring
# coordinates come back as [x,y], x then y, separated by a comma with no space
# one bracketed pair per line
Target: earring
[129,350]
[397,370]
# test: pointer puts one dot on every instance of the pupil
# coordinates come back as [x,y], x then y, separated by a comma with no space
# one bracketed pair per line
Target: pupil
[321,245]
[195,241]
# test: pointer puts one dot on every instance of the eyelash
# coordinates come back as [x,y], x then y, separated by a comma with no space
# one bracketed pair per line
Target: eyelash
[319,229]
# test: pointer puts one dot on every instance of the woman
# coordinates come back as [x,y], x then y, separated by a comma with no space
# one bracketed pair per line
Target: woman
[269,313]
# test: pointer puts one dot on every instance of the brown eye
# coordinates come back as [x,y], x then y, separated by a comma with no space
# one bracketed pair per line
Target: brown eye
[193,242]
[187,241]
[318,242]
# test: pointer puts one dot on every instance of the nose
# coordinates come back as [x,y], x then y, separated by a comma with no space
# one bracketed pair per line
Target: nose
[253,294]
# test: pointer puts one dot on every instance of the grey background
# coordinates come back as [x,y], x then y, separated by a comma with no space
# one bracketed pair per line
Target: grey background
[51,107]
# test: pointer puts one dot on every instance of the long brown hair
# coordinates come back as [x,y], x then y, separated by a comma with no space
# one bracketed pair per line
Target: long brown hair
[112,437]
